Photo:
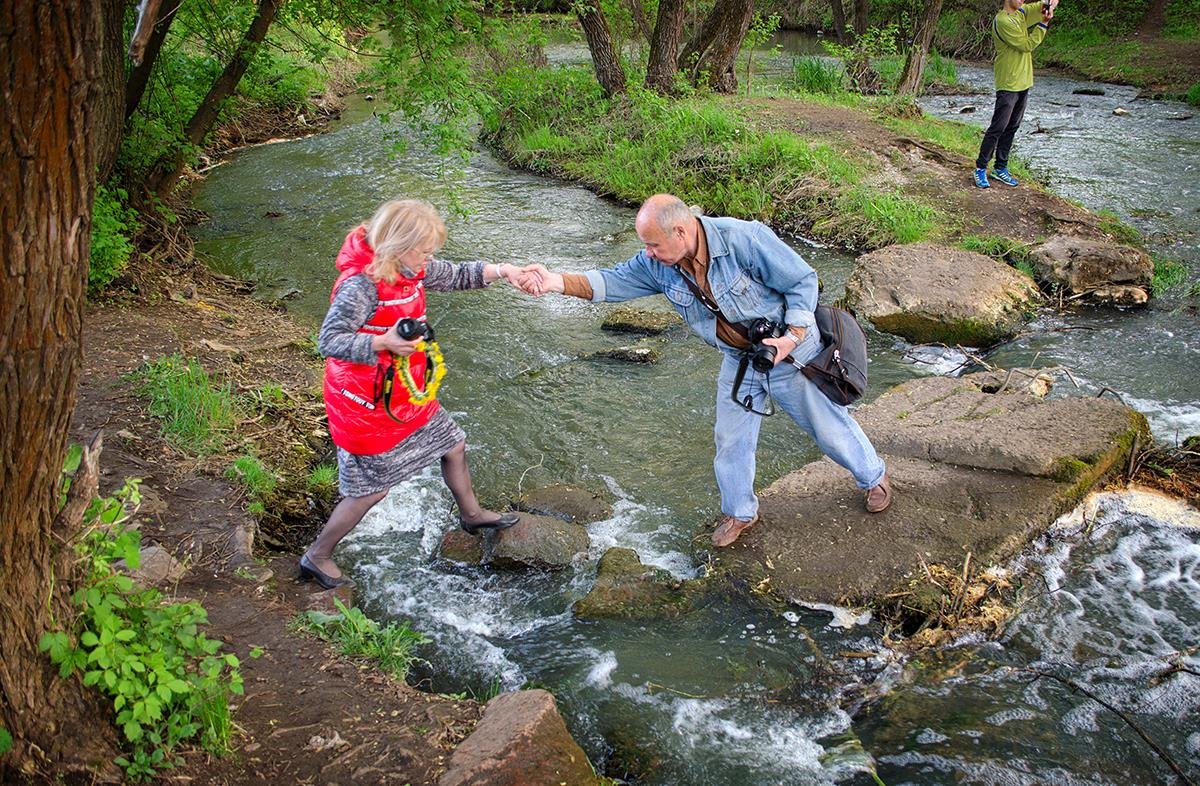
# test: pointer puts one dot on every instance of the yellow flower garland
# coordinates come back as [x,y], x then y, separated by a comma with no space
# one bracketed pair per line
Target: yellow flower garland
[433,355]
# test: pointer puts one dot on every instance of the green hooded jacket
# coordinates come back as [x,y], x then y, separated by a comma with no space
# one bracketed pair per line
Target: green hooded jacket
[1017,34]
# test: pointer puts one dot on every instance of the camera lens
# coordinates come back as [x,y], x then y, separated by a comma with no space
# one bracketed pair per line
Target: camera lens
[409,329]
[763,359]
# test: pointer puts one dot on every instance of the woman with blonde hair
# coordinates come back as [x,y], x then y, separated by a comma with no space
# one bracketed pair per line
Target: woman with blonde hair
[383,416]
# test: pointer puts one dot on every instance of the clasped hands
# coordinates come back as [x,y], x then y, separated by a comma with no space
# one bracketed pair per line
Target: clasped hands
[533,279]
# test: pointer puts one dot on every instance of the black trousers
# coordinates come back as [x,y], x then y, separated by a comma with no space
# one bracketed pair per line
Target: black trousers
[1006,119]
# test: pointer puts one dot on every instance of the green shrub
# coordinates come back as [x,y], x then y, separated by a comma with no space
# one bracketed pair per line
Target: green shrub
[113,224]
[391,645]
[197,416]
[168,682]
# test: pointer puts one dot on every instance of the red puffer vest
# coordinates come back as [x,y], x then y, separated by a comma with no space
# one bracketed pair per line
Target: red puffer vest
[358,422]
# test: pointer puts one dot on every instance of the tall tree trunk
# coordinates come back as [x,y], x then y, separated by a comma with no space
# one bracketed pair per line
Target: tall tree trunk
[609,72]
[861,9]
[918,53]
[52,61]
[202,122]
[664,46]
[715,47]
[139,77]
[839,19]
[638,12]
[1153,21]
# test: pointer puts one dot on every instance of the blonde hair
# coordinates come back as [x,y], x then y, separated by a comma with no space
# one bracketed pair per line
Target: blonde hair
[398,227]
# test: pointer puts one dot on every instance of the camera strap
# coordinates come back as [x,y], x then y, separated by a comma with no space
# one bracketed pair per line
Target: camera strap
[744,360]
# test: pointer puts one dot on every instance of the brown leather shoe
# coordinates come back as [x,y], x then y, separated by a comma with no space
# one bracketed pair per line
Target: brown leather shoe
[879,497]
[729,528]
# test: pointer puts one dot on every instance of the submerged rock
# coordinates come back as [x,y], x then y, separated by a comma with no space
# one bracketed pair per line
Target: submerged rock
[928,293]
[630,354]
[460,546]
[639,320]
[520,741]
[1080,265]
[568,503]
[973,472]
[628,589]
[1122,295]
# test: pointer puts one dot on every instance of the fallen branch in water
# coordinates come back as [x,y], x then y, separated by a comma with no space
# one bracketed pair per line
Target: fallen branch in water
[1075,686]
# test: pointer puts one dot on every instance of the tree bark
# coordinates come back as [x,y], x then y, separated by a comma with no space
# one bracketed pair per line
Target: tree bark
[918,53]
[139,77]
[202,122]
[714,48]
[839,20]
[1153,21]
[861,9]
[609,72]
[52,68]
[664,46]
[640,19]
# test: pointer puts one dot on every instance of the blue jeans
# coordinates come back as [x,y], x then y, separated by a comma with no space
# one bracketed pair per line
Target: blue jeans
[836,433]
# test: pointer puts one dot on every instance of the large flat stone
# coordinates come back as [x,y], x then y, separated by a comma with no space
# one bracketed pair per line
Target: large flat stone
[537,542]
[973,472]
[520,741]
[817,543]
[953,420]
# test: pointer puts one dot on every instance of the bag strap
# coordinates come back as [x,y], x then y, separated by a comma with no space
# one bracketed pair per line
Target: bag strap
[712,306]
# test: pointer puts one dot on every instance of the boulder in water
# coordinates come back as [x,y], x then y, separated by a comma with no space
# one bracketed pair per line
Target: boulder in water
[1080,265]
[639,320]
[929,293]
[520,740]
[537,542]
[628,589]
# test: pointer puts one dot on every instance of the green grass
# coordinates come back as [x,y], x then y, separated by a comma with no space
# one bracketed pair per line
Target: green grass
[818,75]
[701,148]
[1168,274]
[1001,248]
[392,646]
[197,415]
[323,478]
[248,471]
[1112,224]
[938,70]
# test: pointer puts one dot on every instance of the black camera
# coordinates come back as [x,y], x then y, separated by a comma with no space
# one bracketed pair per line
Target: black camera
[762,356]
[412,329]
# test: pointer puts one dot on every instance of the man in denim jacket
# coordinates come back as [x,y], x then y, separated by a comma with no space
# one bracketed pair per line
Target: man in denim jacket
[748,272]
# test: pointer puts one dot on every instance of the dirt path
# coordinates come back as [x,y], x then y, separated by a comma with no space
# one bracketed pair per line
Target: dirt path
[937,176]
[308,716]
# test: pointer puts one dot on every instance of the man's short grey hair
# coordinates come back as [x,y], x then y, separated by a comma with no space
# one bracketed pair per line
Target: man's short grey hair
[672,213]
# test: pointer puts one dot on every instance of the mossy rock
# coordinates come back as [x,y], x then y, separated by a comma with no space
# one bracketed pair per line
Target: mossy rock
[626,588]
[638,320]
[459,546]
[537,542]
[630,354]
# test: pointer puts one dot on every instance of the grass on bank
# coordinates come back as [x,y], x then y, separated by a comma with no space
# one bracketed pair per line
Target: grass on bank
[556,121]
[391,646]
[198,415]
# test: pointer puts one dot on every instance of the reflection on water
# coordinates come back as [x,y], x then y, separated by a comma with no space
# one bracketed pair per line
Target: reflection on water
[730,694]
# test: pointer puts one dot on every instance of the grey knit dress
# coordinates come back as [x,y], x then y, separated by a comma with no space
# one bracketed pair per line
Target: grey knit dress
[353,304]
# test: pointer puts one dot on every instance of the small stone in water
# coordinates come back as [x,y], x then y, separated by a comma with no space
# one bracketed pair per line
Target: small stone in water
[1119,111]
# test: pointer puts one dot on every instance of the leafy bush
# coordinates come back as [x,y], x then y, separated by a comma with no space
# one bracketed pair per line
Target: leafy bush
[113,224]
[1193,95]
[168,682]
[392,645]
[858,57]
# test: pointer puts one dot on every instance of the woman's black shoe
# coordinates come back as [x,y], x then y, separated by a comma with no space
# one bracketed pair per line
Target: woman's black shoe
[310,571]
[504,521]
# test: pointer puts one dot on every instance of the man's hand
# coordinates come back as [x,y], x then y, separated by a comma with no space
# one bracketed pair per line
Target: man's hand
[1048,13]
[784,346]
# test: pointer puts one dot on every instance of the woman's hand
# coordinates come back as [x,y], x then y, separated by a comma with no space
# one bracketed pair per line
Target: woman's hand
[392,342]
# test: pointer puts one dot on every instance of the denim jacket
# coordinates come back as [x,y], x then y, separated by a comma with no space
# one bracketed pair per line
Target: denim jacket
[751,272]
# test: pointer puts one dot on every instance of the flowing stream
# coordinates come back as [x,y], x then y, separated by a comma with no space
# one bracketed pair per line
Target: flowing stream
[733,694]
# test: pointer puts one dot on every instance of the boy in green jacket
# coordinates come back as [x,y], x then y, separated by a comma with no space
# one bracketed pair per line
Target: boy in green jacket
[1017,30]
